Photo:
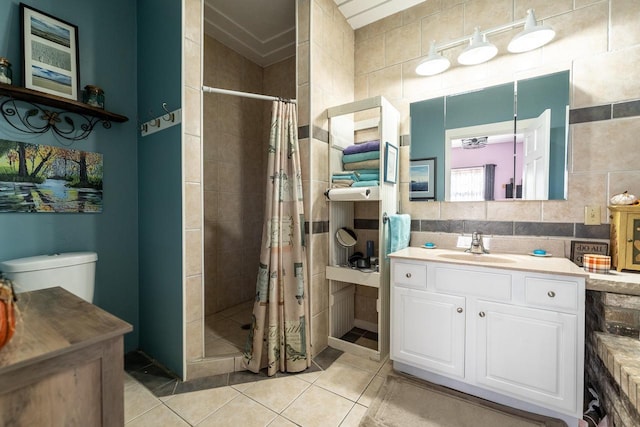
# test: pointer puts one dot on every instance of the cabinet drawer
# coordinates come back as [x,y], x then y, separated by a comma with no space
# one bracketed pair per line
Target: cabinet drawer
[414,275]
[551,293]
[474,282]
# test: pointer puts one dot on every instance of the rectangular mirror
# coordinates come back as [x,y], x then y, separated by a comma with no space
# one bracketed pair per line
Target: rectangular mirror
[507,141]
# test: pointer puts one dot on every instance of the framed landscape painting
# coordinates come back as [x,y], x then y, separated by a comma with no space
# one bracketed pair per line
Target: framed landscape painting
[50,54]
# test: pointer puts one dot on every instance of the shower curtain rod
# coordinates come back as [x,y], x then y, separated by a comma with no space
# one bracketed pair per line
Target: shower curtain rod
[246,94]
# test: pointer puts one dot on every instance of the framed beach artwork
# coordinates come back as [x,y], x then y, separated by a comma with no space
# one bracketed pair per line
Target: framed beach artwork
[423,179]
[50,54]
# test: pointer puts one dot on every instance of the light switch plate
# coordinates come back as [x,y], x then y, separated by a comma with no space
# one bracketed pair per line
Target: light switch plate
[592,215]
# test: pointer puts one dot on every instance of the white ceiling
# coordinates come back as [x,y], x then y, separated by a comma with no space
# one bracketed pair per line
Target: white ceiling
[363,12]
[264,31]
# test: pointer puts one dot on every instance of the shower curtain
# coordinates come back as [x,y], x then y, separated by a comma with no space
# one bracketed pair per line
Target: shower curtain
[279,334]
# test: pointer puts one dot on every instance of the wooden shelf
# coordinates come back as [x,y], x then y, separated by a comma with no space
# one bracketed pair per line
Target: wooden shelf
[37,97]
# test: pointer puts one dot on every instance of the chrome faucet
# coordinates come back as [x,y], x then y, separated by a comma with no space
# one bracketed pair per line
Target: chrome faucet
[477,247]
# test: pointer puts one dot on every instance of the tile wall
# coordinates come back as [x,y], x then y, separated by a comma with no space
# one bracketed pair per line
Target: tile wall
[325,78]
[233,171]
[597,40]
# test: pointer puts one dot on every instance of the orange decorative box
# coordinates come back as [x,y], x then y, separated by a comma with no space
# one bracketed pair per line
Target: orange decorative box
[596,263]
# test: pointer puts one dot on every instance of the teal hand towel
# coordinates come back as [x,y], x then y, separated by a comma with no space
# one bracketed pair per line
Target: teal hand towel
[399,232]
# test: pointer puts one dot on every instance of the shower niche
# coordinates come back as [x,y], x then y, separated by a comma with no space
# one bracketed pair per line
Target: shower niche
[363,176]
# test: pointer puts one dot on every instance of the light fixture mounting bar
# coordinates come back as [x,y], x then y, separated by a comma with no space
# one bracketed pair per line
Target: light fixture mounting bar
[465,39]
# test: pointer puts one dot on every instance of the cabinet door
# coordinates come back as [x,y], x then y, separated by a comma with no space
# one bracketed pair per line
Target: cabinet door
[632,261]
[528,353]
[427,330]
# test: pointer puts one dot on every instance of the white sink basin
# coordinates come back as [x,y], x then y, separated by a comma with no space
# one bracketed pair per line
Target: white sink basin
[484,258]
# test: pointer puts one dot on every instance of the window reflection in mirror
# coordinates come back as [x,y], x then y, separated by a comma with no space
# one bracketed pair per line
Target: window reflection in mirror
[525,126]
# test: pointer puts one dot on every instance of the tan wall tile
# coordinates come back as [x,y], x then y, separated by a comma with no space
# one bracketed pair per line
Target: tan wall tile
[193,20]
[485,13]
[193,206]
[194,340]
[583,33]
[463,210]
[194,298]
[193,252]
[593,87]
[542,8]
[402,44]
[369,55]
[512,210]
[589,153]
[625,31]
[192,159]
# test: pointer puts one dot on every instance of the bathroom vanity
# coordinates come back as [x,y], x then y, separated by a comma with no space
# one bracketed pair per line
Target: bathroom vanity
[507,328]
[64,365]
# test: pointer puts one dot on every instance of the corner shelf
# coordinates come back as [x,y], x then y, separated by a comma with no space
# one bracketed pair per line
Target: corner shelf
[38,120]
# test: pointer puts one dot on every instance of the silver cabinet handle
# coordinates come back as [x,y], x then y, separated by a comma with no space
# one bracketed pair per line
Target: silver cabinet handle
[481,314]
[551,294]
[459,310]
[408,275]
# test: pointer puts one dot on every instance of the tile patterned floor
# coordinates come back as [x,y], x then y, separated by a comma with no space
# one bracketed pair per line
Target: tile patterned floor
[335,391]
[226,331]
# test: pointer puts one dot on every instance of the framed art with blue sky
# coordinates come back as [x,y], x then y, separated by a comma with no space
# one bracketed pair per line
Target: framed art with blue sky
[50,54]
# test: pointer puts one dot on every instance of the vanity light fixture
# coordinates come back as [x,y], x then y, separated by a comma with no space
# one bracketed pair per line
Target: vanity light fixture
[480,50]
[532,37]
[434,64]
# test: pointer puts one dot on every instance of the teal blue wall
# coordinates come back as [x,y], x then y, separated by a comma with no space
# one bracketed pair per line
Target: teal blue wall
[107,42]
[160,188]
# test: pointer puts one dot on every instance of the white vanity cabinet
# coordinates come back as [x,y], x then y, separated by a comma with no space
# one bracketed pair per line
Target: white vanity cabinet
[508,335]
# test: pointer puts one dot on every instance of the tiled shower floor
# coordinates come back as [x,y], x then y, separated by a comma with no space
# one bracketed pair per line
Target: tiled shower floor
[226,331]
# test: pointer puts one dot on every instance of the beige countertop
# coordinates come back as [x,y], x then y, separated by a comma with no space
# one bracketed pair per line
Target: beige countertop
[52,322]
[621,282]
[549,265]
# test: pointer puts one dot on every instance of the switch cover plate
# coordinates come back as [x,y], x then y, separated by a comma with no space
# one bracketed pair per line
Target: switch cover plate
[592,215]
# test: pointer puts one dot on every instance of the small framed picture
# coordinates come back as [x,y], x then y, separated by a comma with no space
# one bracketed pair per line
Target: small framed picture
[390,163]
[579,248]
[50,54]
[423,179]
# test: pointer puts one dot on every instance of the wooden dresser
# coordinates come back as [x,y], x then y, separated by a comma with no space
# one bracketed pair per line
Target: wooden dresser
[64,365]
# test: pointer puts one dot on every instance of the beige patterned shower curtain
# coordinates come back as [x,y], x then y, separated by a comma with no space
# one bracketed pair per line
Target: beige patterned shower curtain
[279,334]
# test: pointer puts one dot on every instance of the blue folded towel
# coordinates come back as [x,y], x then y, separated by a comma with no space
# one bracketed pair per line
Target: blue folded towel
[370,183]
[369,177]
[363,147]
[399,232]
[358,157]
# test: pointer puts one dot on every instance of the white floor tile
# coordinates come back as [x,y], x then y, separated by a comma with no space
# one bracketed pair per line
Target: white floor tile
[354,417]
[196,406]
[158,416]
[278,393]
[137,399]
[345,380]
[317,407]
[241,411]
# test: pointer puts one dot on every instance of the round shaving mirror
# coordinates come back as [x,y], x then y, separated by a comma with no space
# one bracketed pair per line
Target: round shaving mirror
[347,239]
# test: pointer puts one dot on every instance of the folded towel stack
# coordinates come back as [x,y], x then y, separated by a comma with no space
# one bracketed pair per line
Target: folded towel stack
[365,155]
[361,164]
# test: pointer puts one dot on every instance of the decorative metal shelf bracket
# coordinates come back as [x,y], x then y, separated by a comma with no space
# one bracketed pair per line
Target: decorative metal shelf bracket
[32,118]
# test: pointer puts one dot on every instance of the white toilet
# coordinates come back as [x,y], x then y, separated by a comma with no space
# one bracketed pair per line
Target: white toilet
[73,271]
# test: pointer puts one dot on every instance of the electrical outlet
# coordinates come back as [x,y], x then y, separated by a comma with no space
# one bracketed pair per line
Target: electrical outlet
[592,215]
[464,242]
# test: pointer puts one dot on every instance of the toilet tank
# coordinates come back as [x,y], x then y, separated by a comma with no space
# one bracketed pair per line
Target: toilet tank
[73,271]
